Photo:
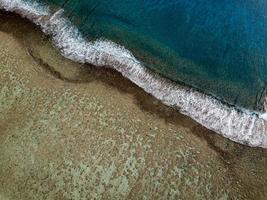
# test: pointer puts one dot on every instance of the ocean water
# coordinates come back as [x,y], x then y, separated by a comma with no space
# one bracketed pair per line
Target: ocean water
[218,47]
[207,58]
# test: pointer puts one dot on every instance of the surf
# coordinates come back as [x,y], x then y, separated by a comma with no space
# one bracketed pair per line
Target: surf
[238,124]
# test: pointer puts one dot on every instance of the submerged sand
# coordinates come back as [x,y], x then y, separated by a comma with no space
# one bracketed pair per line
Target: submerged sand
[70,131]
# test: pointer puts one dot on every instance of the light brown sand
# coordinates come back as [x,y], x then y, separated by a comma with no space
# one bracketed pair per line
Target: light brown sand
[69,131]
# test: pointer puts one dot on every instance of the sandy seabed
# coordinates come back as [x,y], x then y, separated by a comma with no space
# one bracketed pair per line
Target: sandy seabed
[69,131]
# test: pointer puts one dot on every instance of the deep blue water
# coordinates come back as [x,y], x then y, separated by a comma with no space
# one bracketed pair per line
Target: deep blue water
[217,46]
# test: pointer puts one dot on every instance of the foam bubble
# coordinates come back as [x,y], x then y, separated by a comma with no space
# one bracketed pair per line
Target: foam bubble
[238,125]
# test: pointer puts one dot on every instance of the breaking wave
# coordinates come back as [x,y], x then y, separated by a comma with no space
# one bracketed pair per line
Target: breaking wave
[241,126]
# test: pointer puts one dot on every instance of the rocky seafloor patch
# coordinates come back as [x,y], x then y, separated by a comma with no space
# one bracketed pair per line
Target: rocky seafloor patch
[69,131]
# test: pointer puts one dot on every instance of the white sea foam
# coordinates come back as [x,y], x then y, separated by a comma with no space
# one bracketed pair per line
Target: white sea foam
[238,125]
[264,115]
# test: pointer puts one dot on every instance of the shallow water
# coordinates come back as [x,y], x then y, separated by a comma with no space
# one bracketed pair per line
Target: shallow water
[218,47]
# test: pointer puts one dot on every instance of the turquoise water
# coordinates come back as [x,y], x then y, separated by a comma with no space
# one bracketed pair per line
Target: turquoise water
[218,47]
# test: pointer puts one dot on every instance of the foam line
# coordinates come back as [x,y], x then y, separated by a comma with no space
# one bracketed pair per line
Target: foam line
[241,126]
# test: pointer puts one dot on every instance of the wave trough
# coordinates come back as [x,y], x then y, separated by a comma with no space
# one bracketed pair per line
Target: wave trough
[241,126]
